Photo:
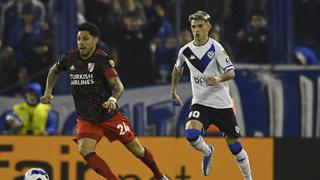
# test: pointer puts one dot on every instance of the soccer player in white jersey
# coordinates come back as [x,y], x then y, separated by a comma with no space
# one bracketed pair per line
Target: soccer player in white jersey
[210,69]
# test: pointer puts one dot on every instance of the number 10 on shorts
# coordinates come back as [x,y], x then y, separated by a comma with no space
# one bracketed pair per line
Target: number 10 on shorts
[195,114]
[123,128]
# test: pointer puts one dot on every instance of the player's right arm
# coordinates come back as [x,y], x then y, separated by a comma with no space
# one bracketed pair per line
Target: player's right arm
[51,81]
[177,73]
[52,77]
[176,76]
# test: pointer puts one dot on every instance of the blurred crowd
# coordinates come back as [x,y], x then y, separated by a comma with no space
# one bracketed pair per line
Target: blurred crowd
[25,44]
[142,36]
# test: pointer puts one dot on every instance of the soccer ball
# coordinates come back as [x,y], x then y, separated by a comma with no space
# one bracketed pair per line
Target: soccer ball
[36,174]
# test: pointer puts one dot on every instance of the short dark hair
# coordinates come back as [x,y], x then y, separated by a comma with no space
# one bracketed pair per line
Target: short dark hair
[200,15]
[91,28]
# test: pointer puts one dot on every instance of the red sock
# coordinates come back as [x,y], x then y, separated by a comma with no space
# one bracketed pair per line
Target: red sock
[148,160]
[100,166]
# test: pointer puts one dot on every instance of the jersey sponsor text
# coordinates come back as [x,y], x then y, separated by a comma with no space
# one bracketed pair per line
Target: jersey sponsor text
[81,79]
[201,80]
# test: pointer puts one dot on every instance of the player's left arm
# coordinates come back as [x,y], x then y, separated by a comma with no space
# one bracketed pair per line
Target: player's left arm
[117,85]
[213,80]
[117,91]
[226,65]
[113,79]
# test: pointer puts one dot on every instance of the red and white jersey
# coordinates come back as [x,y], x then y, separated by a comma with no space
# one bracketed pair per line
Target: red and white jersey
[203,61]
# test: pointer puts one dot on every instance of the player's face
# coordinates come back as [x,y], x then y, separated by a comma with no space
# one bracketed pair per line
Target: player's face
[86,43]
[200,30]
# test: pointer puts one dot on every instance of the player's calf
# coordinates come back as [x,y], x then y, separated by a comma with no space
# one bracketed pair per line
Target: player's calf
[206,164]
[87,151]
[149,161]
[100,166]
[196,140]
[242,159]
[137,151]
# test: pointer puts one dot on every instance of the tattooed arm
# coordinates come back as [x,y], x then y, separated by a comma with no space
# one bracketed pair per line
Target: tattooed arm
[116,83]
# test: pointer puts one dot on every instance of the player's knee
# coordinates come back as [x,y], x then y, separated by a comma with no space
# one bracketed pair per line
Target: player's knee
[85,150]
[235,148]
[138,152]
[192,134]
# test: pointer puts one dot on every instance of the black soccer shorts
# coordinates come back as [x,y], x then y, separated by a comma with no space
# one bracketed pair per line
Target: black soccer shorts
[224,119]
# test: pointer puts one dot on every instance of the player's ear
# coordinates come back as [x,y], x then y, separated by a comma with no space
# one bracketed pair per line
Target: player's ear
[209,25]
[96,40]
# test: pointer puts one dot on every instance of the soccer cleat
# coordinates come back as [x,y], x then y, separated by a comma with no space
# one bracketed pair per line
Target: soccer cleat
[207,163]
[164,178]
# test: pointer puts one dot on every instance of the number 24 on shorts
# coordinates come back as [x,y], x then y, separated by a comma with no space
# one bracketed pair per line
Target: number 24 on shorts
[123,128]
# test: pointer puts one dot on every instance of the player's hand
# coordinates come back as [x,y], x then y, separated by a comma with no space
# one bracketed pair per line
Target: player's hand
[110,105]
[46,99]
[175,99]
[213,80]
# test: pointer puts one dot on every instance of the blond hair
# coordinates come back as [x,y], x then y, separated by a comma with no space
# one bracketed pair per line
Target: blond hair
[199,15]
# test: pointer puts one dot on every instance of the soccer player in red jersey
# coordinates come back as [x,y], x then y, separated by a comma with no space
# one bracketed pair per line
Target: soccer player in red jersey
[96,88]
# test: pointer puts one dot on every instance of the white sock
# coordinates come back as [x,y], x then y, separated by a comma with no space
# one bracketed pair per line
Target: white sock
[200,145]
[243,163]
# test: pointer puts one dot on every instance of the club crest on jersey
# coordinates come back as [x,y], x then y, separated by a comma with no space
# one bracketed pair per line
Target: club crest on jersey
[237,129]
[111,62]
[210,54]
[90,67]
